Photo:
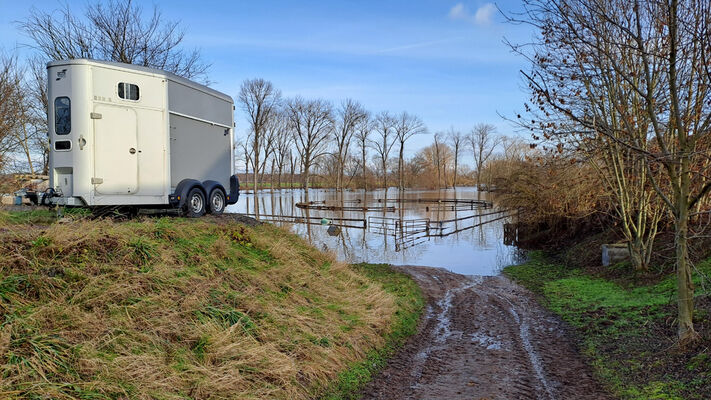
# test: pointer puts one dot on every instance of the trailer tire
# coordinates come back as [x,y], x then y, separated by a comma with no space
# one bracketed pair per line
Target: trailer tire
[216,202]
[195,203]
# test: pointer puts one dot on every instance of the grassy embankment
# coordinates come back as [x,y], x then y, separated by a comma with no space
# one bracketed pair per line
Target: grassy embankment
[170,308]
[625,328]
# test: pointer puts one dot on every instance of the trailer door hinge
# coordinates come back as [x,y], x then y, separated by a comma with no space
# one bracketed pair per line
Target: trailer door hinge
[97,181]
[95,115]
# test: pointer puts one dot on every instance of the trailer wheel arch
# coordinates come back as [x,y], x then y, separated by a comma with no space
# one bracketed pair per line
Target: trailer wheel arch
[180,196]
[210,188]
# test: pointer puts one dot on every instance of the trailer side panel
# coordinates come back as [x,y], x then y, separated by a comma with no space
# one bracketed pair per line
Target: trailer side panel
[199,150]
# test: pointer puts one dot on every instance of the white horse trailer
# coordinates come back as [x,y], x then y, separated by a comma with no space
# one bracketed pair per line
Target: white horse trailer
[129,136]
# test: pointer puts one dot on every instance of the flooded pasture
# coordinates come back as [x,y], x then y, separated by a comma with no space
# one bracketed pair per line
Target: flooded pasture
[460,230]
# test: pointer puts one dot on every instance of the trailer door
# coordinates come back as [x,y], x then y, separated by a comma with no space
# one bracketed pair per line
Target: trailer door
[115,154]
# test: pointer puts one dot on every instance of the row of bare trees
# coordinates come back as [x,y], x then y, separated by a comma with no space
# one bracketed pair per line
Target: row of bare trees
[319,135]
[342,144]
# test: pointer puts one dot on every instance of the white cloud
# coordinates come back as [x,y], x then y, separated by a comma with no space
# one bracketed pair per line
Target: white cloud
[482,16]
[459,11]
[484,13]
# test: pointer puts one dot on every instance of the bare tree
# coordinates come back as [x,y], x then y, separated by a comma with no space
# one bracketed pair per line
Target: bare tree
[407,126]
[438,157]
[36,92]
[275,127]
[283,142]
[637,67]
[456,140]
[260,101]
[482,142]
[362,134]
[247,154]
[349,116]
[311,121]
[11,105]
[293,162]
[429,163]
[384,126]
[514,148]
[116,31]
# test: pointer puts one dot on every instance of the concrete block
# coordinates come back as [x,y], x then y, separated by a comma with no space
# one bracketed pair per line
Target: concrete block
[614,253]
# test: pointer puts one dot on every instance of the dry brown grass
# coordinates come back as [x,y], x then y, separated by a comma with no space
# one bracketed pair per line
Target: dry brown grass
[174,309]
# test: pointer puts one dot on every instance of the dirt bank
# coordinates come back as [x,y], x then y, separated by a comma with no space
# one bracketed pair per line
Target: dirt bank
[484,338]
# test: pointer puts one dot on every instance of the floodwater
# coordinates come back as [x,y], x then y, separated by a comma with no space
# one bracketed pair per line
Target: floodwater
[463,233]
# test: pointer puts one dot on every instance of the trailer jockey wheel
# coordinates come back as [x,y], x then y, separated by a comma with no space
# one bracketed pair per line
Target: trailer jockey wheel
[216,205]
[195,203]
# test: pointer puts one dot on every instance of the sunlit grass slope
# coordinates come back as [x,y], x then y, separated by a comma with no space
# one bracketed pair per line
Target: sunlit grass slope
[175,309]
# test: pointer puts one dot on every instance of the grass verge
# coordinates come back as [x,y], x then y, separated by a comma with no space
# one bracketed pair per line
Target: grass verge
[627,333]
[171,308]
[410,303]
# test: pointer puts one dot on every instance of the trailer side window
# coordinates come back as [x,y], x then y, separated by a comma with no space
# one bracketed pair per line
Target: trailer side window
[62,116]
[128,91]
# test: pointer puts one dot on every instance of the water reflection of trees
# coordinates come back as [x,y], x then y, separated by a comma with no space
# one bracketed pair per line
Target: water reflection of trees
[388,245]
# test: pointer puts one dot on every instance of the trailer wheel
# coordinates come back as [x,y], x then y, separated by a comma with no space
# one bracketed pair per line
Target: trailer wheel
[217,201]
[195,203]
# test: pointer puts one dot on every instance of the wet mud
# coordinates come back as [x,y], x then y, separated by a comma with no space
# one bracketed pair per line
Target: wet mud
[484,338]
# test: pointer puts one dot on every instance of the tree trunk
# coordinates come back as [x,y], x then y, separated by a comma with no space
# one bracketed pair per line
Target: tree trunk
[685,285]
[365,178]
[444,170]
[26,145]
[456,161]
[305,178]
[400,183]
[291,171]
[281,168]
[305,169]
[385,175]
[271,178]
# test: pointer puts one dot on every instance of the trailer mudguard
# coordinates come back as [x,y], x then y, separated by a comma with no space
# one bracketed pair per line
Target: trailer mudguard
[178,198]
[233,195]
[209,186]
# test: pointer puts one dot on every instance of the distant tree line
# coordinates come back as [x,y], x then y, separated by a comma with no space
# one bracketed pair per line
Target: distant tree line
[345,146]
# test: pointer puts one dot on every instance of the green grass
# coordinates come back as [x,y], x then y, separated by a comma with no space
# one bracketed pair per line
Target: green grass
[626,332]
[37,216]
[410,304]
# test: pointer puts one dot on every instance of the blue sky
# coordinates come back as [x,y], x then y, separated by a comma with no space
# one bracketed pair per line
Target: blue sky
[442,60]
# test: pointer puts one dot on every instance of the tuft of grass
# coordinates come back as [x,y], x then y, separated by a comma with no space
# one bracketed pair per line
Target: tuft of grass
[30,217]
[627,333]
[537,271]
[172,308]
[410,304]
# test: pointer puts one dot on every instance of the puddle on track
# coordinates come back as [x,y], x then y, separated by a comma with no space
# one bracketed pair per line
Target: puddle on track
[398,237]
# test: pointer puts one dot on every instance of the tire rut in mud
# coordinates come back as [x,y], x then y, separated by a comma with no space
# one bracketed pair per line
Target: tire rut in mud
[483,338]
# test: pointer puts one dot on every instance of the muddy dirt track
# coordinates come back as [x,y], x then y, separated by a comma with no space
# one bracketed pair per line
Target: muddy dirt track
[483,338]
